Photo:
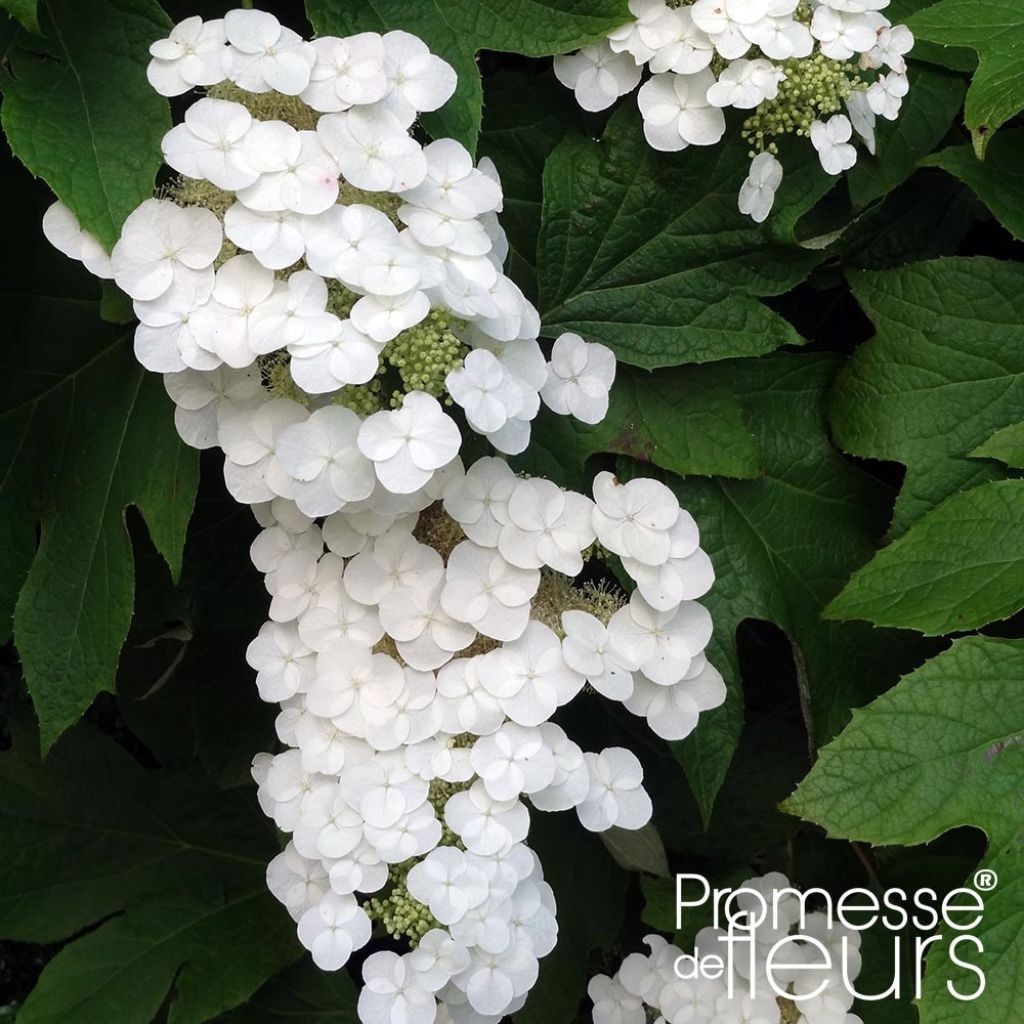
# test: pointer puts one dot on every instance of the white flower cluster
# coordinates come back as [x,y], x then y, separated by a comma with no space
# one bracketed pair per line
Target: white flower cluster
[672,986]
[317,289]
[795,65]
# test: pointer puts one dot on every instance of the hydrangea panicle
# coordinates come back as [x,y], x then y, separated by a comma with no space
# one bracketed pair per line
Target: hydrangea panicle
[326,300]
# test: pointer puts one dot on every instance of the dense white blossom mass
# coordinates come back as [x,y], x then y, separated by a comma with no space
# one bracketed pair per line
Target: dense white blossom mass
[795,65]
[326,300]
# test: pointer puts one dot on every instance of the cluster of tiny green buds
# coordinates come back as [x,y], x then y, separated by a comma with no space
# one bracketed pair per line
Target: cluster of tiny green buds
[424,355]
[814,88]
[401,916]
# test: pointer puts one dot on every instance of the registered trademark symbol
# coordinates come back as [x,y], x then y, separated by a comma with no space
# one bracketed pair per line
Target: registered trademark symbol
[985,880]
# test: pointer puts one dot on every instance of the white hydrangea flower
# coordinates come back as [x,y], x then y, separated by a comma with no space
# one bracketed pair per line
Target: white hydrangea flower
[677,113]
[453,188]
[321,456]
[209,144]
[448,884]
[885,97]
[419,80]
[589,649]
[167,339]
[616,795]
[200,398]
[269,356]
[653,27]
[373,149]
[613,1004]
[478,501]
[192,55]
[687,50]
[757,193]
[745,84]
[483,589]
[347,72]
[392,991]
[485,391]
[332,929]
[634,519]
[597,75]
[842,35]
[407,445]
[296,172]
[160,242]
[832,141]
[64,233]
[284,664]
[661,643]
[891,48]
[263,55]
[580,375]
[546,526]
[512,761]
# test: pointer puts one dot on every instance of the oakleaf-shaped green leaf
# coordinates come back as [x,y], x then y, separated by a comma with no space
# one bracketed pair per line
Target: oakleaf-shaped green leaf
[178,863]
[995,29]
[957,568]
[685,420]
[78,111]
[458,29]
[782,546]
[648,253]
[302,994]
[943,372]
[85,433]
[941,750]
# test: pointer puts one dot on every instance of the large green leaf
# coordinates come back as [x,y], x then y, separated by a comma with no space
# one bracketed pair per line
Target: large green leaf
[998,180]
[458,29]
[995,29]
[525,117]
[943,372]
[939,751]
[79,112]
[782,546]
[954,57]
[179,863]
[303,994]
[685,420]
[934,100]
[85,433]
[957,568]
[648,253]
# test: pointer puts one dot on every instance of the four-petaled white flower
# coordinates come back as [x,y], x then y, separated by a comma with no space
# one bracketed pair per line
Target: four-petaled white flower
[161,241]
[616,795]
[677,113]
[757,193]
[598,75]
[407,445]
[580,375]
[192,55]
[832,141]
